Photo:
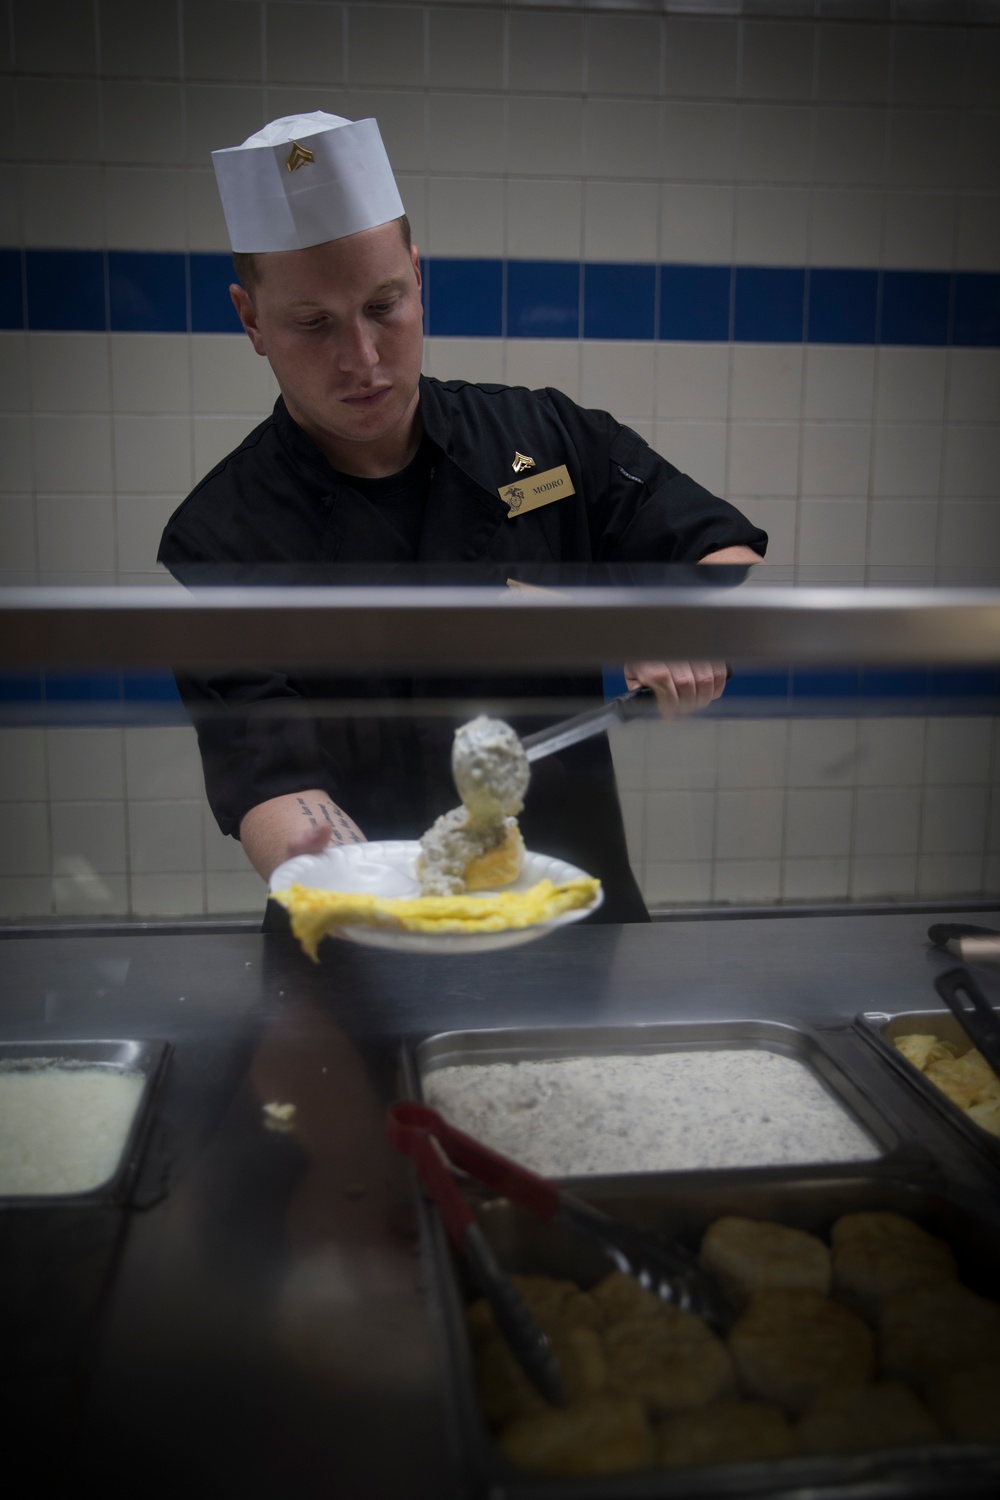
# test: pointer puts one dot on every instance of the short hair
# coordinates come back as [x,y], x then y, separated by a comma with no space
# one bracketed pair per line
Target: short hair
[246,263]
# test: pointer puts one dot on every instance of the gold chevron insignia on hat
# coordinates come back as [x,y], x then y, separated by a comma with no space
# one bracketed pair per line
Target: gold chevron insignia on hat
[522,462]
[299,156]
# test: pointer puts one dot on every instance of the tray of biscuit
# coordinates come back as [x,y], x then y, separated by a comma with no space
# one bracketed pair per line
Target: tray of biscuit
[863,1356]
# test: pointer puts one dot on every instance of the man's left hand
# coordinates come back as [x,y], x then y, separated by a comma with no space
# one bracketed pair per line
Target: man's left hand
[681,687]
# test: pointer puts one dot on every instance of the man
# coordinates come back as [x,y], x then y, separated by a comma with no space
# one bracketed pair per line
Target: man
[365,461]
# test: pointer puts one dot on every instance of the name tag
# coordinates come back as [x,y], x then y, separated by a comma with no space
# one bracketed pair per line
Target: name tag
[541,489]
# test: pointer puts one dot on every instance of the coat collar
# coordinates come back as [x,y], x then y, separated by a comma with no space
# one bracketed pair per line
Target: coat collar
[465,519]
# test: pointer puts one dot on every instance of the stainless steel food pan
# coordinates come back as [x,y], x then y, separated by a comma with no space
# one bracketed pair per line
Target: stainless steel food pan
[525,1244]
[879,1029]
[544,1043]
[149,1058]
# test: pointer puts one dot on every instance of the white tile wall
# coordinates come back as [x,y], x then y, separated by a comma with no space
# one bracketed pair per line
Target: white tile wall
[143,122]
[146,208]
[465,216]
[18,542]
[305,43]
[84,764]
[466,49]
[89,832]
[822,752]
[623,55]
[821,809]
[620,221]
[836,457]
[771,226]
[918,230]
[153,454]
[766,382]
[17,471]
[544,219]
[162,764]
[620,375]
[853,63]
[546,52]
[56,206]
[845,227]
[701,57]
[151,373]
[815,879]
[700,140]
[151,50]
[656,131]
[775,143]
[910,384]
[72,453]
[903,533]
[167,895]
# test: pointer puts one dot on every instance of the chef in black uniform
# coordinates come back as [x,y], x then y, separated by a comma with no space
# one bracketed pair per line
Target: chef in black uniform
[364,461]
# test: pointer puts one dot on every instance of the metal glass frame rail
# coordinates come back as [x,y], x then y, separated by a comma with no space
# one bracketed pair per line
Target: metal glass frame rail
[455,628]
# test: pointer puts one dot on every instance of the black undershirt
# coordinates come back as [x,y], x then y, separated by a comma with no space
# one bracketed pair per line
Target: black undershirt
[400,498]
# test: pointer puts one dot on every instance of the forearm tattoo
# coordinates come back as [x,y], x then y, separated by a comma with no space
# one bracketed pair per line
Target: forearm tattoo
[339,825]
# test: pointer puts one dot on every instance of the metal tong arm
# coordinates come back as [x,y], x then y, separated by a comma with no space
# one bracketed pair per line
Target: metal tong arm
[413,1139]
[980,1022]
[409,1119]
[414,1129]
[540,1196]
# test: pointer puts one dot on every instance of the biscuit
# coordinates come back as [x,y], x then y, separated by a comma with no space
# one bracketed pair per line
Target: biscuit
[672,1362]
[887,1415]
[876,1255]
[748,1255]
[929,1330]
[505,1390]
[607,1434]
[790,1345]
[726,1433]
[967,1401]
[499,865]
[620,1297]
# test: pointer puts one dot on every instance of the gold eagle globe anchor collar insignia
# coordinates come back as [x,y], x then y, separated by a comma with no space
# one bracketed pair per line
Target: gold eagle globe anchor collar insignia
[299,156]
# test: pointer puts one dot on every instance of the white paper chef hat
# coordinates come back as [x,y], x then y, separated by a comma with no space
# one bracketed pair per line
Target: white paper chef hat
[303,180]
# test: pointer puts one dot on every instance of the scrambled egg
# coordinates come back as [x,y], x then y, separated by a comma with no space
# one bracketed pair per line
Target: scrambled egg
[968,1080]
[315,913]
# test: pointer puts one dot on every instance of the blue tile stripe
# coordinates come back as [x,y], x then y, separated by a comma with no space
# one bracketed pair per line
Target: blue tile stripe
[856,690]
[27,696]
[170,292]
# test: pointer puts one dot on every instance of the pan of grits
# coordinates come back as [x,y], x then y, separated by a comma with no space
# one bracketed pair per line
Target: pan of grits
[664,1098]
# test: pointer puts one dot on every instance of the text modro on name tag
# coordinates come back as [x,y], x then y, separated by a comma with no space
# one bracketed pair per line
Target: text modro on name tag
[541,489]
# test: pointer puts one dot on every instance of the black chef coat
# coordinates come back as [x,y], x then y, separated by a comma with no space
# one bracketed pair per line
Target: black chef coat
[275,501]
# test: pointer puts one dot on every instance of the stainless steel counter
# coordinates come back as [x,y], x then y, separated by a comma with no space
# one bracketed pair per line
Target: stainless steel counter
[262,1327]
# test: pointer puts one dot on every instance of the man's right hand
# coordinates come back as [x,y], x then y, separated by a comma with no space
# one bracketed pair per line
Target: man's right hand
[298,823]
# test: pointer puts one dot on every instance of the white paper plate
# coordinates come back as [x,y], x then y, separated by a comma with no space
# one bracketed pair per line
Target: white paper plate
[389,869]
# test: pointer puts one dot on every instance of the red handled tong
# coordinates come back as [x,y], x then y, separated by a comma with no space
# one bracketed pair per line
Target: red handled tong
[659,1264]
[416,1131]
